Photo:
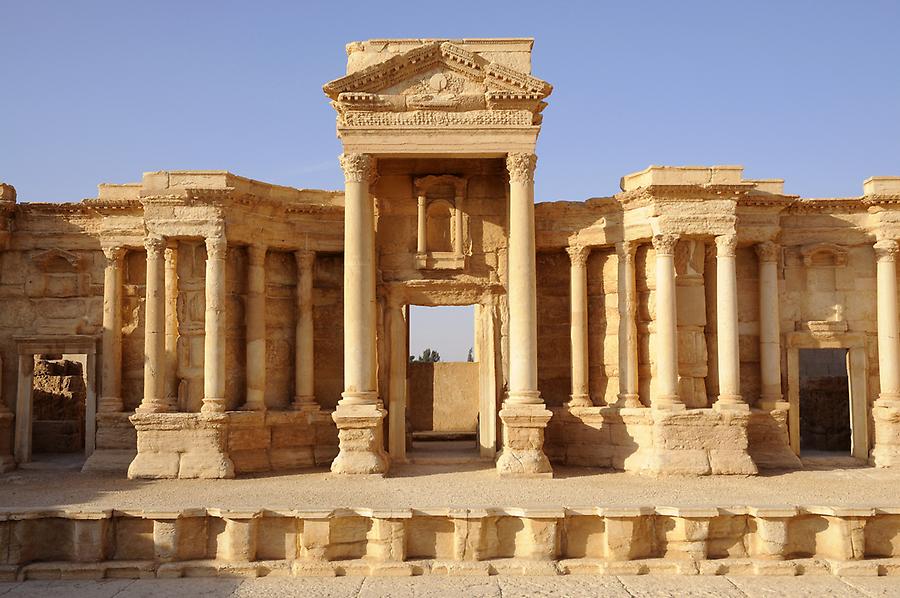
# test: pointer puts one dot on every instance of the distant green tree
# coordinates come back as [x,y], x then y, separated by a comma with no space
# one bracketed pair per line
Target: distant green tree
[428,356]
[471,356]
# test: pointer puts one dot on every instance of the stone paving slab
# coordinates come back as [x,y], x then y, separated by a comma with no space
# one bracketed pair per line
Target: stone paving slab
[638,586]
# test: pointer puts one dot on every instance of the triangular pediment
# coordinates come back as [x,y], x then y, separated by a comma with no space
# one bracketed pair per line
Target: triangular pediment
[446,65]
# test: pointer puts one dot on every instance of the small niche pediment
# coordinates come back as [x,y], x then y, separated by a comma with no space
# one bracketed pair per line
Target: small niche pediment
[824,255]
[57,261]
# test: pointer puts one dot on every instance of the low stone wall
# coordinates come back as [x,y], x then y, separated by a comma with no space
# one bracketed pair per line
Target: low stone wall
[53,544]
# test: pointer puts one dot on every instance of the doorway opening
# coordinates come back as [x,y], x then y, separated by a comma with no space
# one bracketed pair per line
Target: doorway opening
[825,406]
[59,411]
[442,385]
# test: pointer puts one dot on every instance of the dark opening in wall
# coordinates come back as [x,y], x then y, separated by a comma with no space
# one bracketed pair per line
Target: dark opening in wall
[824,401]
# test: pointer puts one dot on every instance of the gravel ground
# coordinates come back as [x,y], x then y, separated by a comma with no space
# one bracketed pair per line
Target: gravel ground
[645,586]
[421,486]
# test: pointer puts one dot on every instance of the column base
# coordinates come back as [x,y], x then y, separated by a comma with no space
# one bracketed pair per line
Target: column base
[213,405]
[181,445]
[360,439]
[628,400]
[886,414]
[731,403]
[667,403]
[580,400]
[523,441]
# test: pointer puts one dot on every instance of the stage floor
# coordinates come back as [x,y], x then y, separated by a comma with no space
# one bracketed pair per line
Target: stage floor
[462,485]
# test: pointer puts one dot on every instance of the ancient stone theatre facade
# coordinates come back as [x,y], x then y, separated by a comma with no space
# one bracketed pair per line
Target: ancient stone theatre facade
[230,326]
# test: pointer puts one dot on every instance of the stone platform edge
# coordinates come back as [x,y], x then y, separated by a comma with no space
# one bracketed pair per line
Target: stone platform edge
[71,543]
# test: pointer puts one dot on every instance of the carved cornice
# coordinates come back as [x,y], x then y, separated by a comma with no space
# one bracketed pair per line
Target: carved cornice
[726,245]
[886,250]
[578,254]
[521,167]
[357,167]
[834,205]
[664,244]
[216,247]
[768,251]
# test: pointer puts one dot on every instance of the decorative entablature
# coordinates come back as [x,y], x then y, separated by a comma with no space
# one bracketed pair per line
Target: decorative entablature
[437,85]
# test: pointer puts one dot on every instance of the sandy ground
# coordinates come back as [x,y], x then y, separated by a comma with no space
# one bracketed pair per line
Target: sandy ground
[645,586]
[422,486]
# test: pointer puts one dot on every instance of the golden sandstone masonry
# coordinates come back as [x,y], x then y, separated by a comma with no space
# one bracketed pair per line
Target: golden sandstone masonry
[230,326]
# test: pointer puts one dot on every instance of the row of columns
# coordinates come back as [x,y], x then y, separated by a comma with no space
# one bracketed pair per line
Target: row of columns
[160,329]
[666,325]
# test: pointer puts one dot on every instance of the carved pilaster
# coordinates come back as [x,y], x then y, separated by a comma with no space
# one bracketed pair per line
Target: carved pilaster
[521,167]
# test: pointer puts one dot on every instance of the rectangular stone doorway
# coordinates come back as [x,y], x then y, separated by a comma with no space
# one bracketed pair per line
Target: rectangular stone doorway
[825,404]
[59,411]
[442,386]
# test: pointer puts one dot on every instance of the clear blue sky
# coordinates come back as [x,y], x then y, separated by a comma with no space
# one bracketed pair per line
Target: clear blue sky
[93,91]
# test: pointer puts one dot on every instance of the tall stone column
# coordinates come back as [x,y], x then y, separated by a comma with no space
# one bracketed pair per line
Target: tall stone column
[628,336]
[727,325]
[110,400]
[578,322]
[214,327]
[255,320]
[666,325]
[172,326]
[359,413]
[304,351]
[524,415]
[886,410]
[154,400]
[769,327]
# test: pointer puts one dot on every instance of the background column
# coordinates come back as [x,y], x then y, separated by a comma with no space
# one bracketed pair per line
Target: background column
[886,410]
[214,327]
[769,327]
[666,325]
[110,400]
[578,322]
[359,414]
[171,342]
[304,352]
[255,319]
[524,415]
[399,357]
[628,338]
[727,347]
[154,400]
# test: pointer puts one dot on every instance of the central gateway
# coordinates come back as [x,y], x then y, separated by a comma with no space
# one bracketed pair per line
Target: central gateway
[439,160]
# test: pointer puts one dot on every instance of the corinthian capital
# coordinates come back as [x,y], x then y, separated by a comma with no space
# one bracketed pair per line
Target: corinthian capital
[665,244]
[578,254]
[357,167]
[155,246]
[726,245]
[114,255]
[215,247]
[886,250]
[767,251]
[521,167]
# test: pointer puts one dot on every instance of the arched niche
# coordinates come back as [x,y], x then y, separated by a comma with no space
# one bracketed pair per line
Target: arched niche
[442,230]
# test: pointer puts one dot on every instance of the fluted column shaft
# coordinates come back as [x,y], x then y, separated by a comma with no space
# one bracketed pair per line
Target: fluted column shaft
[154,400]
[727,347]
[359,282]
[888,337]
[214,327]
[255,320]
[769,323]
[666,325]
[578,321]
[110,400]
[522,282]
[304,354]
[628,338]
